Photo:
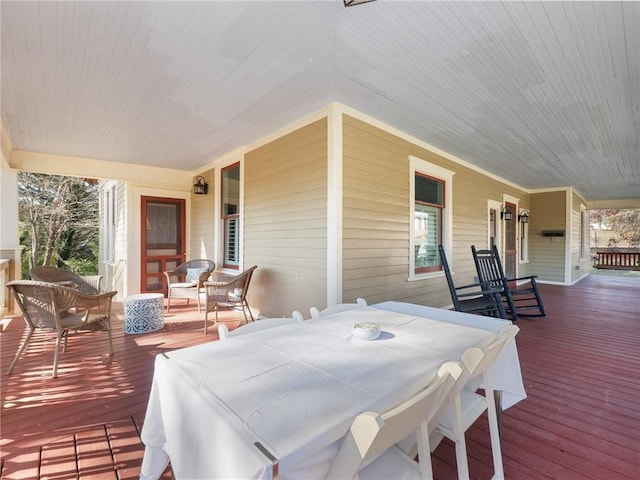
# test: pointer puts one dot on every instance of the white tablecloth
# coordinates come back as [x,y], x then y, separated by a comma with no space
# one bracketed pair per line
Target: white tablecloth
[296,389]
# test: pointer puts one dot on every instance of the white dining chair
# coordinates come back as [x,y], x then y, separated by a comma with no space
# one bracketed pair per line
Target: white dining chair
[260,324]
[468,405]
[341,307]
[374,435]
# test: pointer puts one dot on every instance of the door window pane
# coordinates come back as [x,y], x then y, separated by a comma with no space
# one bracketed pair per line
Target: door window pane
[427,228]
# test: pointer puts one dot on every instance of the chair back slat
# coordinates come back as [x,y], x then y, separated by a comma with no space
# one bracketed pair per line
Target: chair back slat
[373,433]
[340,307]
[36,304]
[89,285]
[488,266]
[479,360]
[206,267]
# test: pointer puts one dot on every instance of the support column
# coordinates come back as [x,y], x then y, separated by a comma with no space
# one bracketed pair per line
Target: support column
[334,204]
[10,248]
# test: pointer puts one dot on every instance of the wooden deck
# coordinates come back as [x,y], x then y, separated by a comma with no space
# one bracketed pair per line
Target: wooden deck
[581,420]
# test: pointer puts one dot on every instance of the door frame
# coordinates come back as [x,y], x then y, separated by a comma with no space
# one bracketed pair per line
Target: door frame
[508,200]
[179,257]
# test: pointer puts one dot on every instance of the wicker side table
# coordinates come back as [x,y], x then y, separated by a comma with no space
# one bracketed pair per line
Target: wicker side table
[143,313]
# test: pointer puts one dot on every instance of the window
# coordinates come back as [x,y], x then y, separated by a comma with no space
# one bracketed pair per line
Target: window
[109,219]
[427,228]
[524,240]
[231,215]
[493,228]
[431,214]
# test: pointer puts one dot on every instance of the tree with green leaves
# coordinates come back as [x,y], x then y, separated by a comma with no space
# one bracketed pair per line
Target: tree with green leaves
[59,221]
[624,223]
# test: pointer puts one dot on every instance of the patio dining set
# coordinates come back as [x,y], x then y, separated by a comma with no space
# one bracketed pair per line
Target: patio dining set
[365,420]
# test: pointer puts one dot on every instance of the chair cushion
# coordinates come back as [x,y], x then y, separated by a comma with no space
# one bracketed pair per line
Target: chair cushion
[235,295]
[193,274]
[184,285]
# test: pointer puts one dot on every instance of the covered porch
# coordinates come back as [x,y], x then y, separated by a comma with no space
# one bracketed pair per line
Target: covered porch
[579,364]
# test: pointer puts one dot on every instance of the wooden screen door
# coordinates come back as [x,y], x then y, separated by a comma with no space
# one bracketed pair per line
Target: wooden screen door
[510,253]
[163,240]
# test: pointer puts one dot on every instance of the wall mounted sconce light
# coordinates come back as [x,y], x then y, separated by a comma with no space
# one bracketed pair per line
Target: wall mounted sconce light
[506,213]
[201,187]
[523,217]
[353,3]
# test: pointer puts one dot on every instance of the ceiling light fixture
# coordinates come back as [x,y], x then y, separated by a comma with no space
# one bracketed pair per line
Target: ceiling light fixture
[353,3]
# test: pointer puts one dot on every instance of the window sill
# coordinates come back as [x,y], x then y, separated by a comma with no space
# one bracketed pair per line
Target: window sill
[425,276]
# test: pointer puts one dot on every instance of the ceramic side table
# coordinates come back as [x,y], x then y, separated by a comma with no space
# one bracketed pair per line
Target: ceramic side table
[143,313]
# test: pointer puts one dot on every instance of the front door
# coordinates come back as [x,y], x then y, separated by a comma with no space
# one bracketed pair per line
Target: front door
[510,253]
[163,240]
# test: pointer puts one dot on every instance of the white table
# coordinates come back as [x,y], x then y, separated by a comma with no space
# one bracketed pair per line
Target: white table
[296,389]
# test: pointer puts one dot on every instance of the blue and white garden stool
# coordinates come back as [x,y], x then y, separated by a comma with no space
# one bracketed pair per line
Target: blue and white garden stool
[143,313]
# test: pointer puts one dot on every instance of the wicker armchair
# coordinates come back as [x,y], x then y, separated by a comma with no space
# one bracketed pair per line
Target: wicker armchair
[187,280]
[228,291]
[89,284]
[56,308]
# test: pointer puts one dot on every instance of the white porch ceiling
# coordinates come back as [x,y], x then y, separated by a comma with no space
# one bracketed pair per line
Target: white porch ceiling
[543,94]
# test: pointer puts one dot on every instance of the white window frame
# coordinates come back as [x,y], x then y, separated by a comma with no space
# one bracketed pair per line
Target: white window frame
[110,221]
[418,165]
[585,237]
[221,219]
[523,239]
[497,207]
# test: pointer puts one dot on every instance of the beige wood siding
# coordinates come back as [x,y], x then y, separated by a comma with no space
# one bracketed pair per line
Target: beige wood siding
[202,241]
[548,253]
[285,221]
[376,217]
[579,266]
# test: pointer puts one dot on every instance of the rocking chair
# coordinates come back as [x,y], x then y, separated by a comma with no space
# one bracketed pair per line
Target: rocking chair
[520,301]
[476,298]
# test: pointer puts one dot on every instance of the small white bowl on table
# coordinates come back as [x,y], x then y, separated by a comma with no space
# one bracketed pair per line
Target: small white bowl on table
[366,330]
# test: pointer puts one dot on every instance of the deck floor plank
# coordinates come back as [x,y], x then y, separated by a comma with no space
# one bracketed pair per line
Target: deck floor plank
[580,366]
[126,447]
[94,454]
[58,459]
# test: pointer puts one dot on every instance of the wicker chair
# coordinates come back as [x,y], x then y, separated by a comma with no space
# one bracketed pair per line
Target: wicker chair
[228,292]
[89,284]
[56,308]
[187,280]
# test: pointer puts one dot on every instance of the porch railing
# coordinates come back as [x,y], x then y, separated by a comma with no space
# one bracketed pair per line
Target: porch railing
[4,279]
[617,260]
